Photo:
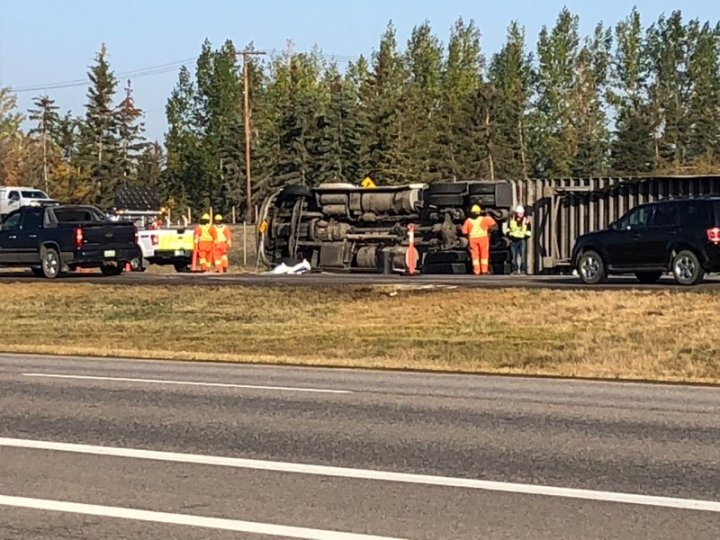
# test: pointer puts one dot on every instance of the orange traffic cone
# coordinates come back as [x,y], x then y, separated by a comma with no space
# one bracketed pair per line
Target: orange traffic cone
[193,266]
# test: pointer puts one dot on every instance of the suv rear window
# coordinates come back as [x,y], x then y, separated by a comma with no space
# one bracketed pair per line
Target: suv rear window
[695,213]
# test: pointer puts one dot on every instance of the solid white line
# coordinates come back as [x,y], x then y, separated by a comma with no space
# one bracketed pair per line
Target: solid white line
[367,474]
[187,383]
[184,519]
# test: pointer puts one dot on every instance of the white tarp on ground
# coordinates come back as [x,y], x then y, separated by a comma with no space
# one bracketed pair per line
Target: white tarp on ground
[284,269]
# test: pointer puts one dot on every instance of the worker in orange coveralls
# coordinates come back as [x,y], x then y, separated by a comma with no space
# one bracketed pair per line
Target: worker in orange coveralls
[223,243]
[478,228]
[205,242]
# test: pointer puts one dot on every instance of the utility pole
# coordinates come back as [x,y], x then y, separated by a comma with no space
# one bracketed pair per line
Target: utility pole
[247,112]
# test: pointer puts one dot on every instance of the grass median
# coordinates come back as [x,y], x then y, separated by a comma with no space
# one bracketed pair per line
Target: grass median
[605,334]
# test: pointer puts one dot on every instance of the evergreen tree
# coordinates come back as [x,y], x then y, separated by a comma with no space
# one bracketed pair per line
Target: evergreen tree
[150,166]
[669,90]
[381,96]
[460,85]
[338,130]
[553,138]
[632,147]
[510,75]
[420,112]
[703,117]
[588,106]
[183,182]
[47,124]
[99,150]
[130,130]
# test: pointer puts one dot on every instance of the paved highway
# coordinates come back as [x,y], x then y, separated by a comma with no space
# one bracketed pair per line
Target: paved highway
[712,283]
[95,449]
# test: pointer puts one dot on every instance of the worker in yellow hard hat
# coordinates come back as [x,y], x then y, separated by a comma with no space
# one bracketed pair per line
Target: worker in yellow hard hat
[223,243]
[205,242]
[478,228]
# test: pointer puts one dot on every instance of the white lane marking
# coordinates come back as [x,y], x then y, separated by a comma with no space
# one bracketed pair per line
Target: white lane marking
[367,474]
[187,383]
[184,519]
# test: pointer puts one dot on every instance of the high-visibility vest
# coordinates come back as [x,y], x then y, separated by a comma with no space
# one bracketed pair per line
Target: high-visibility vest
[477,227]
[204,233]
[222,234]
[518,229]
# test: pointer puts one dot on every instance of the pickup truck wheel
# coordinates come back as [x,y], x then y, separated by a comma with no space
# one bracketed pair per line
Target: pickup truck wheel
[50,263]
[181,267]
[687,269]
[591,268]
[112,269]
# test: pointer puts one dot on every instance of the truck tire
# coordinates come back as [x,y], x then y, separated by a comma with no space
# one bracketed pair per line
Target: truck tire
[181,268]
[686,268]
[50,262]
[112,269]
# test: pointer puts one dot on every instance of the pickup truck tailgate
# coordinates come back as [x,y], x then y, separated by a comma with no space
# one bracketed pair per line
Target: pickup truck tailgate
[108,235]
[175,239]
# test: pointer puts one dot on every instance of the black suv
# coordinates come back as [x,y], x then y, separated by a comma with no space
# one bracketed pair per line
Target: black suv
[681,236]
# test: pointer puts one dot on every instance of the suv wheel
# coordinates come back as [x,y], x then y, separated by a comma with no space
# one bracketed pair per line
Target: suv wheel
[591,268]
[648,277]
[687,269]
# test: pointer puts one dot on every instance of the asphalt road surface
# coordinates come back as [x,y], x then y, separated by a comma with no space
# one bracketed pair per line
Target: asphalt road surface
[107,449]
[712,283]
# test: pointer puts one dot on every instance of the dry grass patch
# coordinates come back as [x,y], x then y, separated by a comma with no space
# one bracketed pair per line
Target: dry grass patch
[609,334]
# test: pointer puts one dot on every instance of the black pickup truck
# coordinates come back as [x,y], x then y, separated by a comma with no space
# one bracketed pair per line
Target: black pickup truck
[55,239]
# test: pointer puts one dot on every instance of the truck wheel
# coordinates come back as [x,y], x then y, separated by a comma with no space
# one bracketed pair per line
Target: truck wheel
[136,265]
[687,269]
[50,263]
[112,269]
[181,267]
[591,268]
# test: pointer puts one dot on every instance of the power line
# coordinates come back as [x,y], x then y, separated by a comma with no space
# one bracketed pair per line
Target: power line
[147,71]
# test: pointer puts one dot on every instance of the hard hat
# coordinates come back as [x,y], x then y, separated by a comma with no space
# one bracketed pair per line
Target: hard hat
[475,209]
[520,209]
[218,218]
[206,216]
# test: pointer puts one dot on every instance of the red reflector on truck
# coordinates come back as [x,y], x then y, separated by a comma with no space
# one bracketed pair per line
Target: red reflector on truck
[714,235]
[79,237]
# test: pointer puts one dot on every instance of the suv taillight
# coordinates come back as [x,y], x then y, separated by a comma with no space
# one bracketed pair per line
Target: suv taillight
[79,237]
[714,235]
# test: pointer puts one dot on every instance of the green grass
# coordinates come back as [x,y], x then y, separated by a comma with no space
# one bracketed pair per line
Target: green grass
[605,334]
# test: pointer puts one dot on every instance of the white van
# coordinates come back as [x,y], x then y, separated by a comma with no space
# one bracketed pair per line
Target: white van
[14,197]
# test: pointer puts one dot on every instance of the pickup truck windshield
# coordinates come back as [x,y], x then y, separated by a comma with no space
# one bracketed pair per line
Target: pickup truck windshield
[78,215]
[33,195]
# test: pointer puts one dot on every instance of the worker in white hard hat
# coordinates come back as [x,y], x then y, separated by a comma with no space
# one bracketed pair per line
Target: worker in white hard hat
[519,231]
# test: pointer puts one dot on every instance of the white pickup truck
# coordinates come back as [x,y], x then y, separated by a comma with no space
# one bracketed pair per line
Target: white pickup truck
[12,198]
[167,246]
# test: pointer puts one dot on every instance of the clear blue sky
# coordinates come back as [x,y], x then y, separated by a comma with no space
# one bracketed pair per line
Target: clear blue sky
[49,41]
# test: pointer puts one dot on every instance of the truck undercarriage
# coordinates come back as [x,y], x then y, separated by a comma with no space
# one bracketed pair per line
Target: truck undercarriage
[341,227]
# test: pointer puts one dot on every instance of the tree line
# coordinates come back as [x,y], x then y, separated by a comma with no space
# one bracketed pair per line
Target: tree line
[626,100]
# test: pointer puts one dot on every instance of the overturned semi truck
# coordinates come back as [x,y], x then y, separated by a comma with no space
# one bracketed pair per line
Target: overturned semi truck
[388,229]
